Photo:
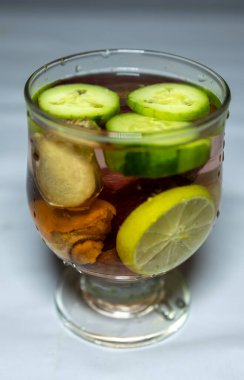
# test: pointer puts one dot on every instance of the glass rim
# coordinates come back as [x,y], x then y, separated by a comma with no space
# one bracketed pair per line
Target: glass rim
[103,136]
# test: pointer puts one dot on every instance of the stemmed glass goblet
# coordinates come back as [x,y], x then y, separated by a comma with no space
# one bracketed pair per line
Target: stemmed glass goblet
[89,191]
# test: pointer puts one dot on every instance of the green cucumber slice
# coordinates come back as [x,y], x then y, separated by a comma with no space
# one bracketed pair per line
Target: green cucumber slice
[132,122]
[158,159]
[159,162]
[193,155]
[144,162]
[78,101]
[170,101]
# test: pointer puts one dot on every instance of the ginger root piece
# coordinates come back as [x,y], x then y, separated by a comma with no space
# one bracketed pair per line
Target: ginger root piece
[66,175]
[84,123]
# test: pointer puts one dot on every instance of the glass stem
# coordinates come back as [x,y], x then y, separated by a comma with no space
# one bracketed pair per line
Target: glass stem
[122,299]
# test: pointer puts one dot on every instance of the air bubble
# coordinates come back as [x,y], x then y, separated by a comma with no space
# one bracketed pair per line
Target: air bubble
[201,78]
[78,68]
[106,53]
[167,311]
[180,303]
[36,156]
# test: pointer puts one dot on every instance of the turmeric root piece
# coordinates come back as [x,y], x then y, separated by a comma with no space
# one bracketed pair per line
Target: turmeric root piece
[79,234]
[92,221]
[86,252]
[109,257]
[109,262]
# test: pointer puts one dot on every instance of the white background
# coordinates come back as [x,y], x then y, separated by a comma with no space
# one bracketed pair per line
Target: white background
[33,343]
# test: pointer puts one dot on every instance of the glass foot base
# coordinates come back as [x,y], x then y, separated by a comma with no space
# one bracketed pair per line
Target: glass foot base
[161,318]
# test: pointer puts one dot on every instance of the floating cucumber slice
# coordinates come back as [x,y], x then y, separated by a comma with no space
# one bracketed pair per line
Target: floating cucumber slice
[170,101]
[160,162]
[132,122]
[77,101]
[157,159]
[144,162]
[193,155]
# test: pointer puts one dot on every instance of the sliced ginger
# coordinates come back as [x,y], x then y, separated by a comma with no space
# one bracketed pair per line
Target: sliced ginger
[66,175]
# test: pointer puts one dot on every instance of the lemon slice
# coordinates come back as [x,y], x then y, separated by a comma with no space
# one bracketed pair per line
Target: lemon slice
[166,230]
